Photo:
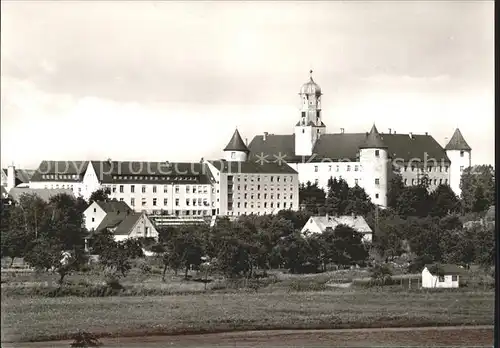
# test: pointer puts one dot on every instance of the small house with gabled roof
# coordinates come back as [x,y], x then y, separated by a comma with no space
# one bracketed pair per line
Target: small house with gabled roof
[441,276]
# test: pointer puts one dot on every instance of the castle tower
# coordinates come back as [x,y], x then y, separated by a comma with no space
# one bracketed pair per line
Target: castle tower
[459,153]
[373,157]
[236,150]
[310,126]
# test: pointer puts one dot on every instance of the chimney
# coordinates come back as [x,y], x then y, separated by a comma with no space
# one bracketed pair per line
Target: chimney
[11,177]
[394,131]
[265,136]
[389,131]
[246,141]
[327,217]
[202,160]
[411,135]
[341,130]
[426,133]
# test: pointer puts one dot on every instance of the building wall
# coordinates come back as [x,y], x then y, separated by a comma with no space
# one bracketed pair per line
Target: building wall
[93,216]
[311,227]
[257,193]
[321,172]
[235,156]
[90,182]
[460,160]
[439,174]
[140,228]
[76,187]
[303,140]
[175,199]
[375,170]
[431,281]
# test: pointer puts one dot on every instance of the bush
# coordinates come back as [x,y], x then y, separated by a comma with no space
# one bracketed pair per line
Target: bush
[144,267]
[85,339]
[381,274]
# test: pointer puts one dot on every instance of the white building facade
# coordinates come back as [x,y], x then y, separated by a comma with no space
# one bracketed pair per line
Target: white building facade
[365,159]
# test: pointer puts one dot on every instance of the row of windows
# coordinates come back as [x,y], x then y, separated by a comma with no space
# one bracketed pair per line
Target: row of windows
[194,202]
[194,189]
[245,196]
[271,205]
[356,181]
[60,176]
[56,186]
[265,178]
[416,181]
[245,188]
[155,178]
[429,169]
[337,168]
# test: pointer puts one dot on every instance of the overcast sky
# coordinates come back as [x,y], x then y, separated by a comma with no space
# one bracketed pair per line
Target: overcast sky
[171,80]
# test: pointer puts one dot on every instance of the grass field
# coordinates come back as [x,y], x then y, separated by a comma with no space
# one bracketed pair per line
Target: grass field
[25,319]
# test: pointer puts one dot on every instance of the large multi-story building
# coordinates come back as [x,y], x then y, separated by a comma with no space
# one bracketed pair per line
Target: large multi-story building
[230,186]
[366,159]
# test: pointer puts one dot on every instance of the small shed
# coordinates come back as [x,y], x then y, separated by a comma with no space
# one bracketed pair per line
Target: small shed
[441,276]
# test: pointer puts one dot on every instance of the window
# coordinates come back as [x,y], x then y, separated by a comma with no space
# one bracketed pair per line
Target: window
[245,204]
[93,219]
[376,195]
[177,189]
[284,205]
[154,189]
[258,195]
[355,181]
[194,189]
[187,189]
[233,155]
[454,278]
[446,169]
[143,202]
[95,210]
[441,279]
[154,201]
[303,131]
[132,201]
[265,204]
[272,177]
[440,181]
[238,204]
[329,168]
[348,168]
[187,201]
[143,188]
[412,181]
[291,197]
[461,154]
[356,168]
[165,201]
[446,181]
[121,188]
[265,195]
[461,168]
[121,199]
[132,188]
[245,196]
[258,187]
[278,205]
[377,153]
[316,181]
[177,202]
[429,169]
[377,181]
[337,168]
[165,188]
[315,168]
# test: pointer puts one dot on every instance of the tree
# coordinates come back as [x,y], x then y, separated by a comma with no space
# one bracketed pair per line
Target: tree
[311,197]
[477,184]
[298,253]
[100,195]
[116,259]
[349,246]
[102,241]
[381,274]
[66,221]
[358,202]
[389,241]
[394,191]
[14,243]
[337,196]
[443,201]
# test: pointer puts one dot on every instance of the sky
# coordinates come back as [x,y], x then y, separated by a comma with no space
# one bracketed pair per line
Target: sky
[157,81]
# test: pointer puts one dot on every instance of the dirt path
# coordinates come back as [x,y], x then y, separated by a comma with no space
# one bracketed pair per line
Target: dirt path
[394,337]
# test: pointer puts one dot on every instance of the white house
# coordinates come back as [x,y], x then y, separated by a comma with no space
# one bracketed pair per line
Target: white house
[97,211]
[366,159]
[319,224]
[441,276]
[129,224]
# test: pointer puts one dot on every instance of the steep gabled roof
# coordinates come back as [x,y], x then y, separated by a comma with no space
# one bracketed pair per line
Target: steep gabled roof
[373,140]
[122,222]
[457,142]
[114,206]
[358,223]
[236,143]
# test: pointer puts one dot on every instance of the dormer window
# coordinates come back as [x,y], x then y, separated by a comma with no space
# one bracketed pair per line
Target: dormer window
[377,153]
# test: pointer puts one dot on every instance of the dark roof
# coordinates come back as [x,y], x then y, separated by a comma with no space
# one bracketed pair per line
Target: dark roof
[252,167]
[457,142]
[444,269]
[124,222]
[236,143]
[114,206]
[22,175]
[345,146]
[373,140]
[60,171]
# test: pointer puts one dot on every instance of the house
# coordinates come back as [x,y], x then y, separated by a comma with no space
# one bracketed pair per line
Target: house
[120,219]
[441,276]
[319,224]
[45,194]
[12,177]
[97,211]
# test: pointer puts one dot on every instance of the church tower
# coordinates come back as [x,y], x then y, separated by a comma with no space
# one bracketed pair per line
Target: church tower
[459,153]
[236,150]
[310,126]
